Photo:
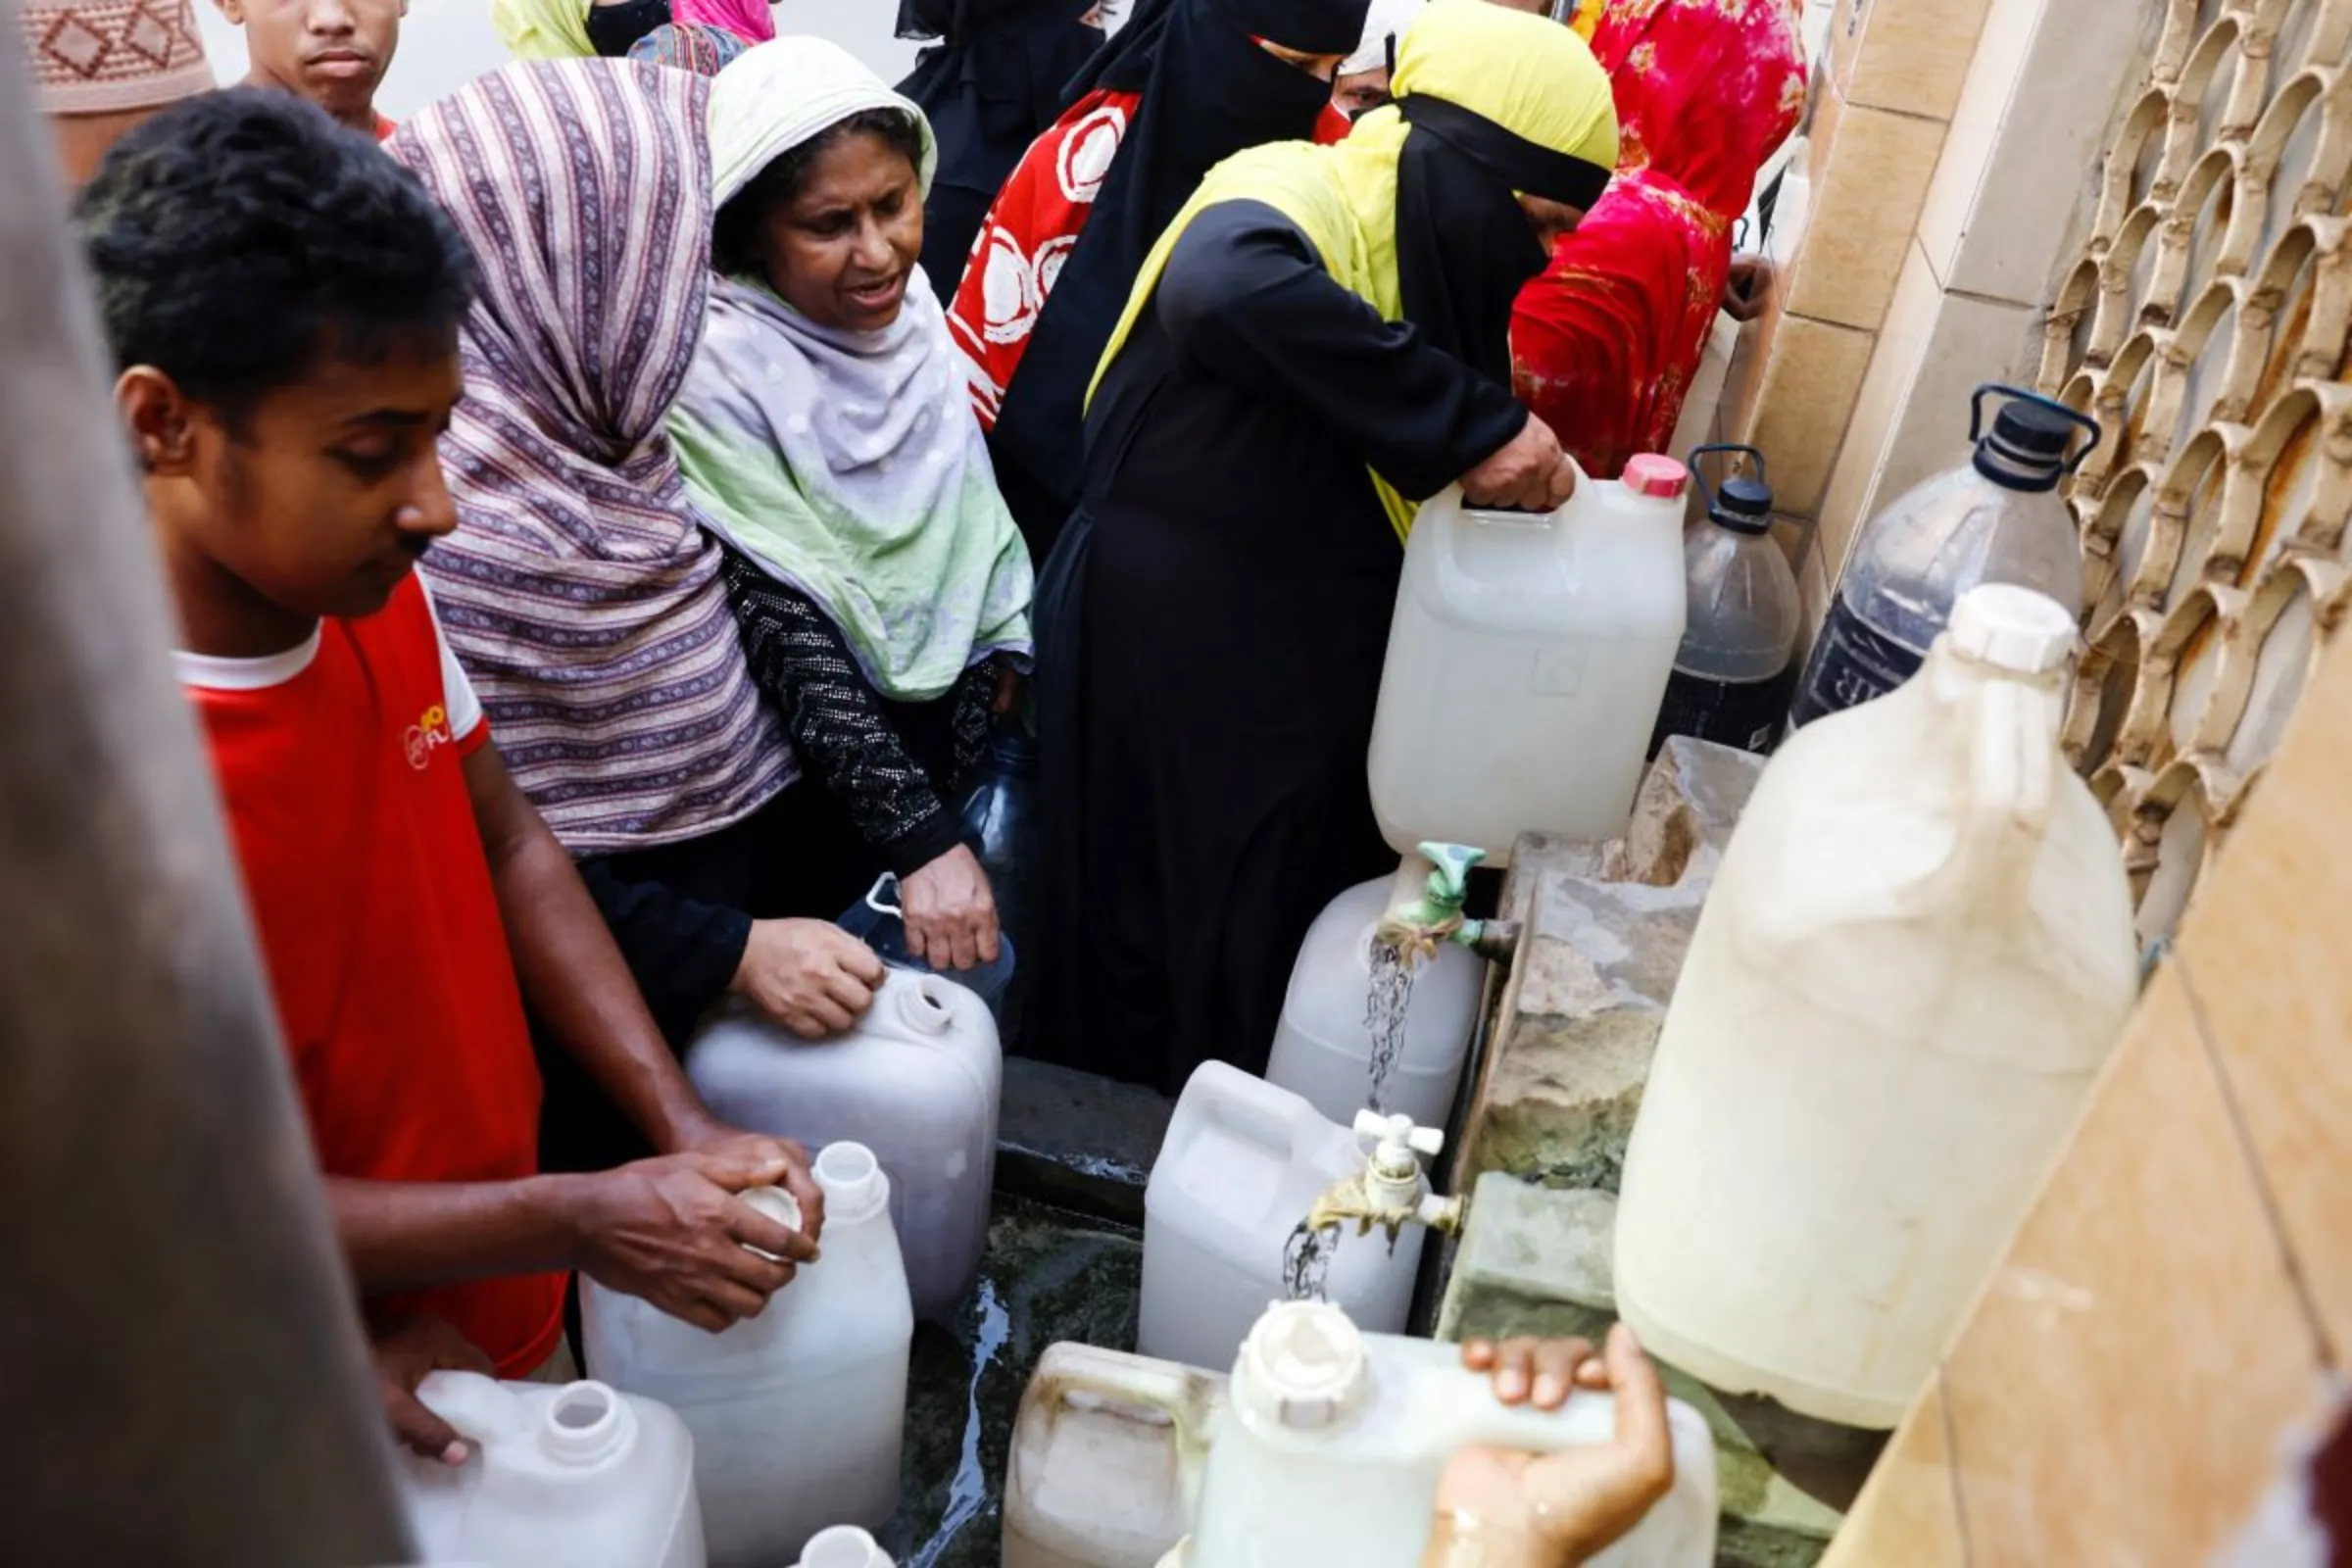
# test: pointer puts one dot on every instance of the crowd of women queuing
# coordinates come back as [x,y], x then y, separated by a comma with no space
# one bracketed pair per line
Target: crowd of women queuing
[811,429]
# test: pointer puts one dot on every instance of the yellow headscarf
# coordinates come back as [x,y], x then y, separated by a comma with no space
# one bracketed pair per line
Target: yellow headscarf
[544,30]
[1528,75]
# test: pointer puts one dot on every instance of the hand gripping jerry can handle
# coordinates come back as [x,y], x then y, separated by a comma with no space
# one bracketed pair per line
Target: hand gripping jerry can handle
[1976,419]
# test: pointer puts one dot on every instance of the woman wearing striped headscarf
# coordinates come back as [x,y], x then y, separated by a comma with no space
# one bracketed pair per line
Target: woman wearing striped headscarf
[580,590]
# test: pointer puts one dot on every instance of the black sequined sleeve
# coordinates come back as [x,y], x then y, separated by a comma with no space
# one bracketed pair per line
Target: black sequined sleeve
[836,720]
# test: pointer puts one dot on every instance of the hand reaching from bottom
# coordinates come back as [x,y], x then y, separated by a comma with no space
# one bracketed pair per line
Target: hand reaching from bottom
[1503,1509]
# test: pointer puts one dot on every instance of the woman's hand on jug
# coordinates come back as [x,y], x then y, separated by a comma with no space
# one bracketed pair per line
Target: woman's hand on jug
[1747,287]
[405,1356]
[808,976]
[950,912]
[673,1231]
[1504,1509]
[1528,472]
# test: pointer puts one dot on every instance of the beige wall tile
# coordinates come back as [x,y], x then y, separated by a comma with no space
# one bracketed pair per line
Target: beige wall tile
[1908,1513]
[1805,391]
[2265,960]
[2021,159]
[1906,55]
[2119,1391]
[1869,174]
[1895,365]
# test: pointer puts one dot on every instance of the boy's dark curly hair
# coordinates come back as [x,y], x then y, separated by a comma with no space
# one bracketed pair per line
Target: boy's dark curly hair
[240,235]
[735,238]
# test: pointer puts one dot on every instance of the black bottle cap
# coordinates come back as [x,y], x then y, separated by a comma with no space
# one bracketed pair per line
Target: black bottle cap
[1743,505]
[2025,449]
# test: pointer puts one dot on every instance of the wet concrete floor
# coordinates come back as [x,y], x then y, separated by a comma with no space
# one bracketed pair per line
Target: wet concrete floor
[1047,1275]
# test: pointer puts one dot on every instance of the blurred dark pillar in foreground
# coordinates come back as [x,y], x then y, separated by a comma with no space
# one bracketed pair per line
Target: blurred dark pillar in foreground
[181,1376]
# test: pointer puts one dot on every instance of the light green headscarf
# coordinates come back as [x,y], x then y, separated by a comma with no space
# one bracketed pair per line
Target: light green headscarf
[846,463]
[544,30]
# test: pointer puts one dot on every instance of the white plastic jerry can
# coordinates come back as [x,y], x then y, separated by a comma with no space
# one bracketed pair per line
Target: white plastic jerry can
[1527,661]
[1106,1460]
[579,1475]
[917,1081]
[1327,1048]
[1916,955]
[1330,1448]
[797,1413]
[1240,1172]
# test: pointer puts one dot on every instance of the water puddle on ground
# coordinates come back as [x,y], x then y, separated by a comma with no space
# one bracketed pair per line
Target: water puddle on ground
[1048,1276]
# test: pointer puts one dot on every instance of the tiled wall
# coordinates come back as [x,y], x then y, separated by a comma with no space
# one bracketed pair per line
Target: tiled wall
[1919,271]
[2172,1311]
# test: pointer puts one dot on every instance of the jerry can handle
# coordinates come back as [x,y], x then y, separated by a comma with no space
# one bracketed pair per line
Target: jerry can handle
[1706,491]
[1184,1395]
[1976,417]
[2012,786]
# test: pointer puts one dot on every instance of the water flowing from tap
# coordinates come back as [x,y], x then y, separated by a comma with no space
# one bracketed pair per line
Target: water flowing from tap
[1307,1259]
[1386,1003]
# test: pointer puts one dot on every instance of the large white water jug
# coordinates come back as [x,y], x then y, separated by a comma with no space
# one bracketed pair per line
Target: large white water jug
[1106,1459]
[1332,1443]
[1340,1052]
[1915,956]
[917,1081]
[579,1475]
[1527,661]
[797,1413]
[1241,1168]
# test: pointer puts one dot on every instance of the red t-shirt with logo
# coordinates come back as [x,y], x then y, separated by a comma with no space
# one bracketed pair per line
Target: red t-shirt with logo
[339,766]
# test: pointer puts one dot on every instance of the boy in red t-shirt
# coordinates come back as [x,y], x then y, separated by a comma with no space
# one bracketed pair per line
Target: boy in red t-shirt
[284,303]
[332,52]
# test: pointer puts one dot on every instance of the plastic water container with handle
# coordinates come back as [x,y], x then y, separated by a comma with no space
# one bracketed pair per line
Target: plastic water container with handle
[1332,1442]
[917,1081]
[579,1475]
[797,1413]
[1327,1046]
[1525,664]
[1997,517]
[1106,1461]
[1916,954]
[1239,1172]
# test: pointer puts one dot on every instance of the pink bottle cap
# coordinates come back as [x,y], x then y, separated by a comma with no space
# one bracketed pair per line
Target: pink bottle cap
[1651,474]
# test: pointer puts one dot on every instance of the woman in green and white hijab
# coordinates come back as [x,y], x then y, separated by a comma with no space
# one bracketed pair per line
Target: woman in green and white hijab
[881,586]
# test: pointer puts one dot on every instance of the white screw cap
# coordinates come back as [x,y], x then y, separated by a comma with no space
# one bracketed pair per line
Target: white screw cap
[2012,628]
[1301,1367]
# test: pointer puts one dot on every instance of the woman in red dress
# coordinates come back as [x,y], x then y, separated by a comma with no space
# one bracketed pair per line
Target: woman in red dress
[1606,340]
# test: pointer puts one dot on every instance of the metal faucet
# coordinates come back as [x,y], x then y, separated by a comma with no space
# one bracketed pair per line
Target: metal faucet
[1415,926]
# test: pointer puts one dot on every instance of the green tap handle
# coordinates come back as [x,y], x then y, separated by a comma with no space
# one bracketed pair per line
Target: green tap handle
[1450,872]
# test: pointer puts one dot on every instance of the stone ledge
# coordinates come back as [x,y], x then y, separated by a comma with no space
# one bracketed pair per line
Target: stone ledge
[1607,928]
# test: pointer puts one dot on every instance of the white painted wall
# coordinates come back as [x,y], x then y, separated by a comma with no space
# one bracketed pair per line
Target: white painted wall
[446,43]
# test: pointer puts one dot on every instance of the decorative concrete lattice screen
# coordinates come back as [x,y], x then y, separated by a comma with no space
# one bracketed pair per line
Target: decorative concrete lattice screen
[2205,328]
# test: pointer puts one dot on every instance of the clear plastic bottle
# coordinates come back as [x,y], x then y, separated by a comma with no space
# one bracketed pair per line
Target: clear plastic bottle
[1995,519]
[1738,661]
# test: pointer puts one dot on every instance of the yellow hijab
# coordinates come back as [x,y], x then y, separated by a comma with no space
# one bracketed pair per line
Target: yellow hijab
[1530,75]
[544,30]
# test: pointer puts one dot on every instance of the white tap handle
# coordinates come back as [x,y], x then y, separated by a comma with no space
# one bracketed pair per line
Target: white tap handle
[1401,1131]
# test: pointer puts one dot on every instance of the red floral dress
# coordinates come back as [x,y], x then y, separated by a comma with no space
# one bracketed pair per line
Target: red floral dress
[1606,340]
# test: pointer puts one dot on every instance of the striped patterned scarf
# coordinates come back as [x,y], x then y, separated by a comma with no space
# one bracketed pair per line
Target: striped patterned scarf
[580,590]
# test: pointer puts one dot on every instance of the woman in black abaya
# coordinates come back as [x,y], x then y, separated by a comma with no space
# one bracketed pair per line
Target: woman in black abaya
[1322,335]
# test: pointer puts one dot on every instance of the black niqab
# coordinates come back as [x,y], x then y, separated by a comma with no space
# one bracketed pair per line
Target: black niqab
[1464,245]
[997,77]
[1207,91]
